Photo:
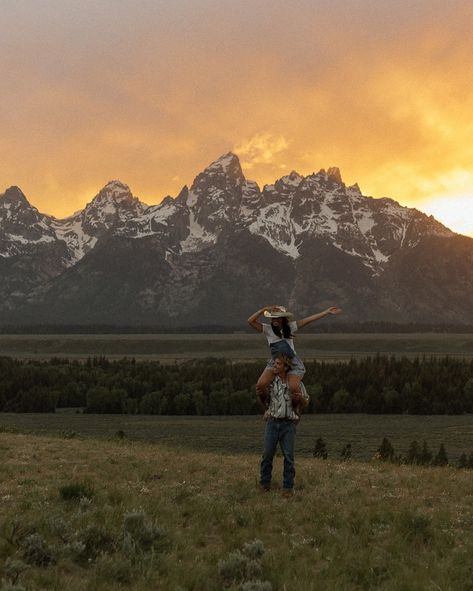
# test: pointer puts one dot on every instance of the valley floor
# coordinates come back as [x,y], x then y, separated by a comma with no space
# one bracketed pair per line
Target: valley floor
[170,348]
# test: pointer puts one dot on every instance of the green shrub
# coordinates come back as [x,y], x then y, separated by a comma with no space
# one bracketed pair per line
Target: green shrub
[320,449]
[140,534]
[425,457]
[95,540]
[59,528]
[345,453]
[385,451]
[36,551]
[254,549]
[69,434]
[76,491]
[243,568]
[12,569]
[416,527]
[75,551]
[233,568]
[441,459]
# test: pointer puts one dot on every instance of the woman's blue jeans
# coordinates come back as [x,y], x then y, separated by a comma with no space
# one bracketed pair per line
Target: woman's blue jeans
[282,432]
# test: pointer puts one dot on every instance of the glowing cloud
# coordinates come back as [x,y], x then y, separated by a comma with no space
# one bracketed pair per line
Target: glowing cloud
[260,149]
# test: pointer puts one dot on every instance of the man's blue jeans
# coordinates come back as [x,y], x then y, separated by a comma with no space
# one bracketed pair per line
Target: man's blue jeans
[282,432]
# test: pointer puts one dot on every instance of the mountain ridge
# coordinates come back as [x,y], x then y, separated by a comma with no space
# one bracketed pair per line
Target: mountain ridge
[222,227]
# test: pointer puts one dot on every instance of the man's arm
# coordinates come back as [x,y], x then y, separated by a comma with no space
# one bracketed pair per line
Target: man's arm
[301,398]
[263,402]
[253,319]
[305,321]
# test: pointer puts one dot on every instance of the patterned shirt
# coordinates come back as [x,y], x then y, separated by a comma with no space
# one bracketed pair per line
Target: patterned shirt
[280,402]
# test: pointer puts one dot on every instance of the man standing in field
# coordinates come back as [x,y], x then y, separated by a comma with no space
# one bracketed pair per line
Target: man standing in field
[281,420]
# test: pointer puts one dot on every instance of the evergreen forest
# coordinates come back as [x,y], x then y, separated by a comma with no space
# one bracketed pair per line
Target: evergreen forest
[376,385]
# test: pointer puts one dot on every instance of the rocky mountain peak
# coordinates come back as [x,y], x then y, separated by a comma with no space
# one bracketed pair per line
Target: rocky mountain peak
[354,189]
[333,174]
[21,225]
[114,200]
[223,172]
[115,191]
[294,179]
[216,194]
[14,196]
[228,163]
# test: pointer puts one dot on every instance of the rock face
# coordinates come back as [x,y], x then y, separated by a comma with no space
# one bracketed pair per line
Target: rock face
[223,248]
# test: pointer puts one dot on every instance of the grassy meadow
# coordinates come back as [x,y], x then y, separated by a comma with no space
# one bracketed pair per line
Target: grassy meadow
[243,434]
[88,514]
[240,346]
[171,503]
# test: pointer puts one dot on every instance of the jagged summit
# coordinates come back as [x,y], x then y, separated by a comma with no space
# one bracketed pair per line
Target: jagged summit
[226,167]
[286,214]
[225,163]
[22,226]
[330,175]
[14,195]
[115,190]
[114,199]
[333,173]
[293,178]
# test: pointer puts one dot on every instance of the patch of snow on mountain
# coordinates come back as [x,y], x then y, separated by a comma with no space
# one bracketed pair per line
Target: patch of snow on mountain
[365,222]
[288,248]
[198,237]
[160,214]
[274,224]
[328,221]
[192,199]
[155,215]
[78,242]
[22,240]
[379,256]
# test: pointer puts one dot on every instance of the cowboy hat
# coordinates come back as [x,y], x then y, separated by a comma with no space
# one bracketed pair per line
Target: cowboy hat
[278,312]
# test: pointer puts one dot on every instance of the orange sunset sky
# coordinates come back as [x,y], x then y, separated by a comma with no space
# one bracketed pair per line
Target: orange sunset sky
[151,91]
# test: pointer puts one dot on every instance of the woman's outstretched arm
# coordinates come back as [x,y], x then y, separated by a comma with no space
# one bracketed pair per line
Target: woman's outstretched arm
[305,321]
[253,319]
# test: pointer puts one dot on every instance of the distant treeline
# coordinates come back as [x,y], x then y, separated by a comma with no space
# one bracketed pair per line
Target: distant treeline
[217,387]
[331,326]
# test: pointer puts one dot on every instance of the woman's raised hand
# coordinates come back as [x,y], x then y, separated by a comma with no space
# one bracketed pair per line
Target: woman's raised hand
[333,310]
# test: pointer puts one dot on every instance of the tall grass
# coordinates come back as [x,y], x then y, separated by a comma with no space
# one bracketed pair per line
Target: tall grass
[164,519]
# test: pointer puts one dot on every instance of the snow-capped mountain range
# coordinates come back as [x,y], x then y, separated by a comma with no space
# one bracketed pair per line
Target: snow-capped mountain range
[50,264]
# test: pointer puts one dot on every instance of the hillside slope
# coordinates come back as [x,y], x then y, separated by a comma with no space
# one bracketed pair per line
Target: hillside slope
[349,526]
